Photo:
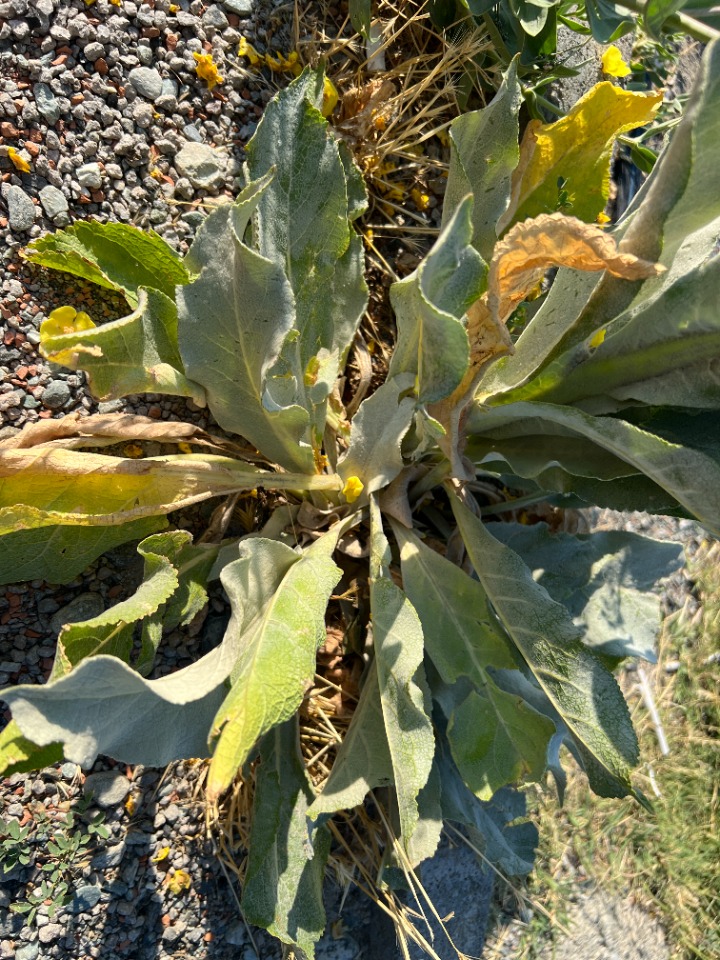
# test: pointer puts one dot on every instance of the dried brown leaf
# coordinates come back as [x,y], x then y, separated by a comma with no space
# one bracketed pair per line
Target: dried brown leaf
[522,258]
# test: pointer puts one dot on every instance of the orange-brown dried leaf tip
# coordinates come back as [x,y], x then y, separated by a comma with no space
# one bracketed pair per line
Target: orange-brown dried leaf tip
[530,248]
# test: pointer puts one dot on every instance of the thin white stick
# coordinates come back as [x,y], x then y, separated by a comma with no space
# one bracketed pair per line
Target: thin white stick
[649,701]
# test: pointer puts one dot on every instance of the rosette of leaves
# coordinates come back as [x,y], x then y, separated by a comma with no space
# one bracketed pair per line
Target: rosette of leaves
[483,657]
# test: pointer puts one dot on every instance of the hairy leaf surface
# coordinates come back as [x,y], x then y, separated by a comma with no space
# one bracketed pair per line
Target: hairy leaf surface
[136,354]
[278,599]
[404,695]
[429,305]
[283,888]
[112,255]
[585,694]
[485,153]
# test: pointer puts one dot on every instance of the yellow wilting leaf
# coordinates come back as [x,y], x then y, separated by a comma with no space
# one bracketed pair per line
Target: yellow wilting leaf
[161,855]
[571,158]
[18,161]
[521,259]
[179,881]
[207,69]
[130,805]
[613,63]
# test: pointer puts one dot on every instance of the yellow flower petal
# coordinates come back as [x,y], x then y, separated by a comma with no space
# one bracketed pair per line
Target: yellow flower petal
[613,64]
[246,49]
[330,97]
[179,881]
[133,451]
[18,161]
[597,338]
[421,200]
[207,70]
[353,488]
[64,320]
[160,855]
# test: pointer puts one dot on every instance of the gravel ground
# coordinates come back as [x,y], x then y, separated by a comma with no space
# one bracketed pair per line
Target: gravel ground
[103,102]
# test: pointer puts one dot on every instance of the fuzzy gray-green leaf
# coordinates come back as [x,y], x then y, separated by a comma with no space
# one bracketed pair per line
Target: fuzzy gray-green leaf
[583,691]
[283,887]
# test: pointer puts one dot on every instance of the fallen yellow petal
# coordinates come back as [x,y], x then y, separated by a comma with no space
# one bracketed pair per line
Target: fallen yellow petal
[353,488]
[597,338]
[179,881]
[133,450]
[330,97]
[422,200]
[18,161]
[160,855]
[613,64]
[246,49]
[207,69]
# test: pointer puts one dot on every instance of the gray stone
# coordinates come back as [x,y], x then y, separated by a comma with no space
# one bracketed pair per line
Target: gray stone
[236,935]
[143,113]
[56,395]
[30,951]
[83,607]
[46,102]
[215,17]
[53,201]
[50,932]
[147,81]
[68,770]
[21,209]
[192,133]
[171,934]
[243,8]
[90,176]
[202,165]
[108,788]
[110,857]
[86,897]
[93,51]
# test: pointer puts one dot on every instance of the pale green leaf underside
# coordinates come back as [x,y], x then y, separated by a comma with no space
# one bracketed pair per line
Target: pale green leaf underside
[376,434]
[485,153]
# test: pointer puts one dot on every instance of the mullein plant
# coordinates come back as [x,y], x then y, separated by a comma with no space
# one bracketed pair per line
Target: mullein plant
[487,647]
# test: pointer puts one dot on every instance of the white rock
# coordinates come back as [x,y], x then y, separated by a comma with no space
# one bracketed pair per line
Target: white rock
[203,166]
[89,176]
[53,201]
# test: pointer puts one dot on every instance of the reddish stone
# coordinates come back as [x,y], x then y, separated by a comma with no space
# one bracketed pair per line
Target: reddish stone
[33,634]
[150,33]
[171,41]
[7,129]
[97,195]
[59,61]
[101,66]
[21,372]
[32,148]
[9,338]
[76,98]
[155,412]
